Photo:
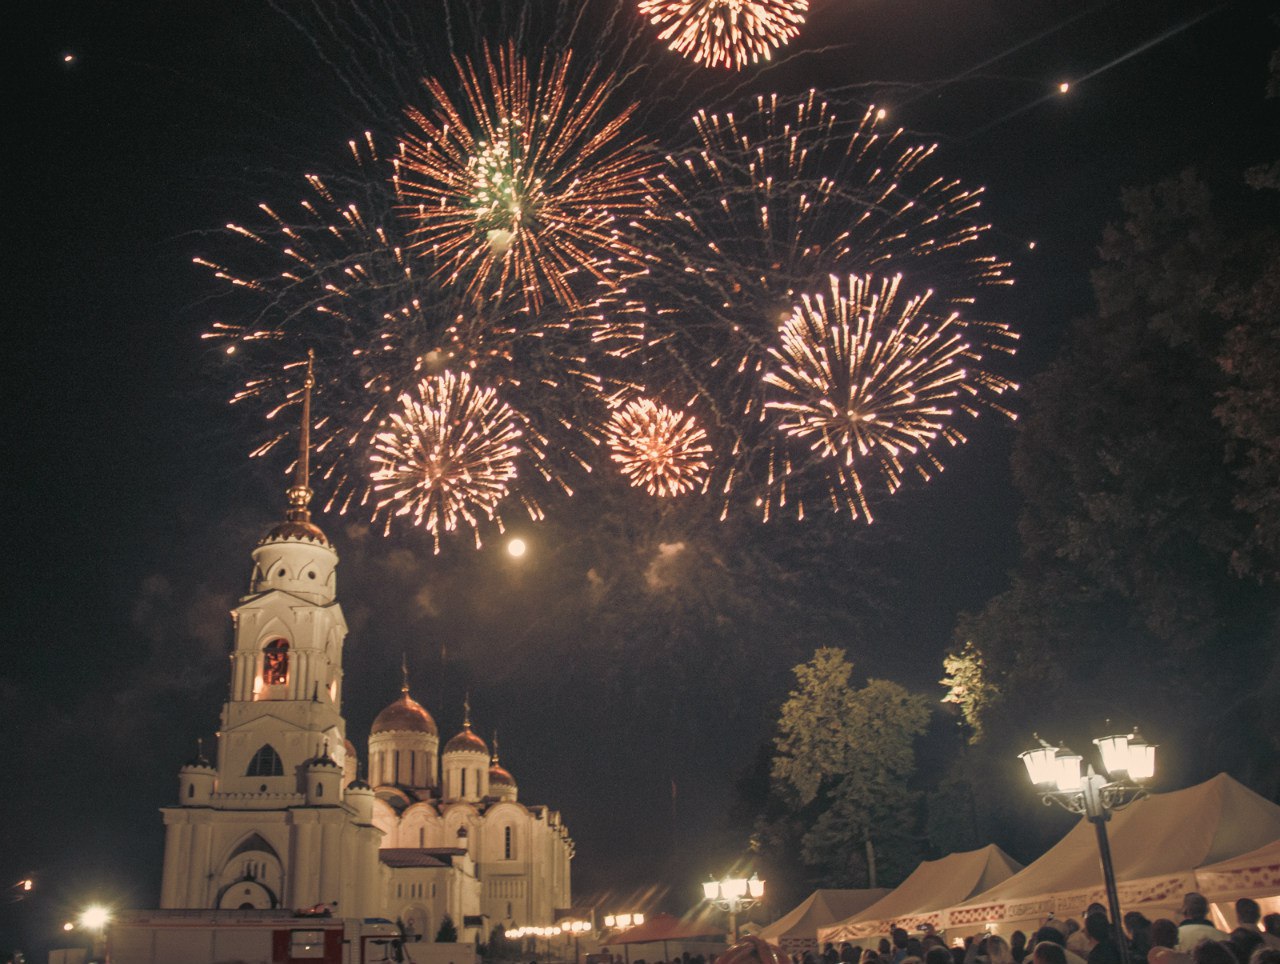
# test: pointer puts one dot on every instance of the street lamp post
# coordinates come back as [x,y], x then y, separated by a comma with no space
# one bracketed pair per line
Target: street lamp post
[734,894]
[575,929]
[622,922]
[1127,761]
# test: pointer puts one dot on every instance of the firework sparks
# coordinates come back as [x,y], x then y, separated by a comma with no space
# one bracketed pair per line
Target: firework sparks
[448,457]
[761,210]
[658,448]
[728,33]
[335,274]
[868,383]
[527,180]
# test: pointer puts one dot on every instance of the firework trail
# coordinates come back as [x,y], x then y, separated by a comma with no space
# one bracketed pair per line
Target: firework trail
[528,180]
[657,448]
[760,211]
[448,457]
[726,33]
[866,382]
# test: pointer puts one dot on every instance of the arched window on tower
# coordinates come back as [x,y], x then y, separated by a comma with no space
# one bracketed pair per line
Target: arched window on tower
[266,763]
[508,844]
[275,662]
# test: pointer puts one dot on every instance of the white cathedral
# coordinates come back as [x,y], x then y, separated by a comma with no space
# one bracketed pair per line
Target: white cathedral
[281,819]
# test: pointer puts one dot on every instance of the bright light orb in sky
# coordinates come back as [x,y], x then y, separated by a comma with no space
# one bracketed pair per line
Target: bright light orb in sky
[516,548]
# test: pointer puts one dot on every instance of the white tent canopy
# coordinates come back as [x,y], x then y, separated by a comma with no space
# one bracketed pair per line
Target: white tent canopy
[797,931]
[1255,874]
[1156,845]
[932,886]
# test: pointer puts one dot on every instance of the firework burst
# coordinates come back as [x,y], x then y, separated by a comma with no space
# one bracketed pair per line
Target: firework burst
[761,210]
[337,274]
[728,33]
[528,180]
[448,457]
[867,383]
[657,448]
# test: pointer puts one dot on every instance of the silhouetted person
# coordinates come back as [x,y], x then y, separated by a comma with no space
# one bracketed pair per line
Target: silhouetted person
[1248,914]
[1102,942]
[1196,926]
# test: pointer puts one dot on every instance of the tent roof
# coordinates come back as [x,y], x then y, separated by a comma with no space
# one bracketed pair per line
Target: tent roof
[932,886]
[1257,871]
[666,927]
[1156,843]
[819,909]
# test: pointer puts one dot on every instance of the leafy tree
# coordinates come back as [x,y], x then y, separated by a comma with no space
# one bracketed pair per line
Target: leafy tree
[1150,472]
[448,932]
[844,758]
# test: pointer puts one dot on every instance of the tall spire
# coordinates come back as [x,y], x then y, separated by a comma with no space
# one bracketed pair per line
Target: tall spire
[300,492]
[404,674]
[466,711]
[493,757]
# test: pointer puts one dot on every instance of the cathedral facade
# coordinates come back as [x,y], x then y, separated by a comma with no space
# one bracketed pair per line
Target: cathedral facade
[280,819]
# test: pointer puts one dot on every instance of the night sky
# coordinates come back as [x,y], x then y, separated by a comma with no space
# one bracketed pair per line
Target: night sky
[131,506]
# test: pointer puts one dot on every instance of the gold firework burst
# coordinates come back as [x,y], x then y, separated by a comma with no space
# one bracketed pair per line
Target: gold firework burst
[448,457]
[528,180]
[870,383]
[727,33]
[658,448]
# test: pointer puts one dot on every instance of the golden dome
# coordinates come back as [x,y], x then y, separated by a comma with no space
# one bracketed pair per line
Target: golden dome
[405,715]
[466,741]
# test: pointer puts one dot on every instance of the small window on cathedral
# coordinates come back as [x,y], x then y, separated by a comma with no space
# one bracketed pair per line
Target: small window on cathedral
[275,662]
[463,791]
[191,790]
[266,763]
[508,851]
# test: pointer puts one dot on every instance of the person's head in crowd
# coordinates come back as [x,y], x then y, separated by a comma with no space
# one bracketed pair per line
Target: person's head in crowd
[1214,952]
[1248,911]
[1164,932]
[1049,952]
[1194,906]
[1098,928]
[1050,935]
[937,955]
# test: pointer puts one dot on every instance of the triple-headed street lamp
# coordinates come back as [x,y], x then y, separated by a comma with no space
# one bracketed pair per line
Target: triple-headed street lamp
[623,921]
[1127,761]
[734,894]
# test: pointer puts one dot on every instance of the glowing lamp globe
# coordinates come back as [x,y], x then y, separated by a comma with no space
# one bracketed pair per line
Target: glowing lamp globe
[95,918]
[1039,764]
[1067,776]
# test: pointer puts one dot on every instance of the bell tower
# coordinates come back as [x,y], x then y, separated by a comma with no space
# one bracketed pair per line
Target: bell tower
[270,826]
[285,702]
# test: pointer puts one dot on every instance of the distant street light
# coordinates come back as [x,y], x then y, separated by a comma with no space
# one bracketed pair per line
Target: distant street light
[623,921]
[575,929]
[1127,761]
[734,894]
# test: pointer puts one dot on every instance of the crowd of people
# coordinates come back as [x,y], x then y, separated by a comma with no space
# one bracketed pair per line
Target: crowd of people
[1195,940]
